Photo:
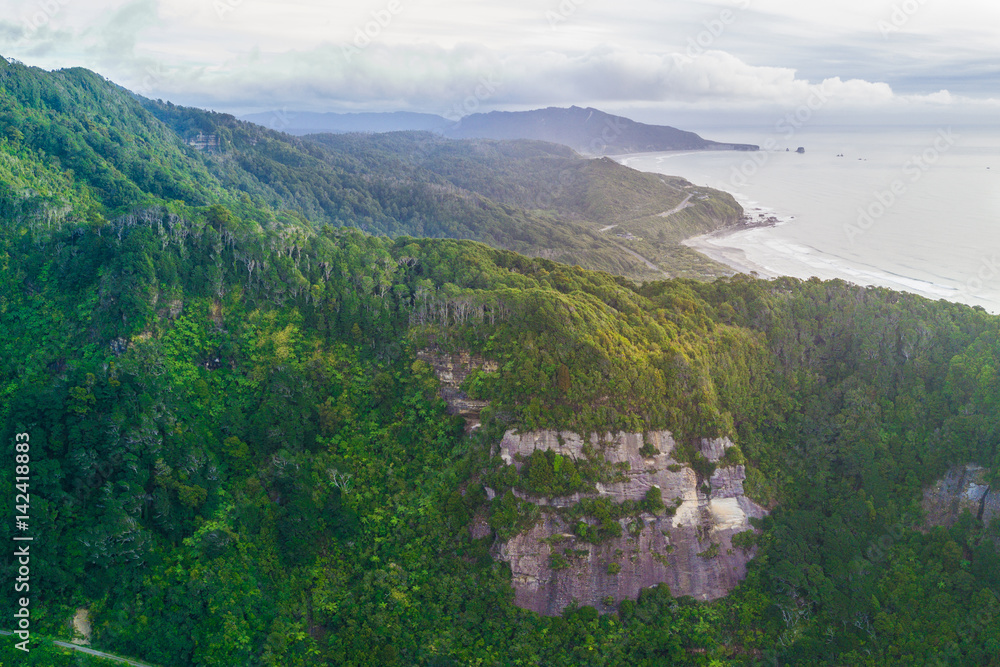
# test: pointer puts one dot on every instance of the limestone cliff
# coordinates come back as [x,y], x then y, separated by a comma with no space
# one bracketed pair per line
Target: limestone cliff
[962,488]
[691,551]
[451,371]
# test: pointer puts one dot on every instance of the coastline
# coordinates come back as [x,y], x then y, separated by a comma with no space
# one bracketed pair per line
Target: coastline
[711,245]
[729,246]
[906,251]
[718,245]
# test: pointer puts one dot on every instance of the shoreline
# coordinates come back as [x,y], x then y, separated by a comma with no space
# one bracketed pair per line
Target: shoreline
[733,257]
[720,247]
[750,249]
[711,244]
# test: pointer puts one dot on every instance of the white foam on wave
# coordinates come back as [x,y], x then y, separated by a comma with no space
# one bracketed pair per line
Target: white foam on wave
[779,256]
[938,241]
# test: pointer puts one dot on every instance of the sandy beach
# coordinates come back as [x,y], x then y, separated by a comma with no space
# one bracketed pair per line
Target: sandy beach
[939,239]
[738,248]
[723,246]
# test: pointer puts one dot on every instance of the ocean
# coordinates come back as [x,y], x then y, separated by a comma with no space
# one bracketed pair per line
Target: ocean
[915,209]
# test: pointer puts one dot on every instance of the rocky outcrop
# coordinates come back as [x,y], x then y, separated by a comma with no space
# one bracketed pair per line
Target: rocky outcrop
[204,142]
[451,371]
[962,488]
[691,550]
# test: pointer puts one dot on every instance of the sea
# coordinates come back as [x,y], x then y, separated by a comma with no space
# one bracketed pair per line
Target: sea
[915,209]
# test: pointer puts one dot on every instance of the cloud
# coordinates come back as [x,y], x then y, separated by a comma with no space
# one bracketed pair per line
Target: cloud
[321,56]
[432,78]
[114,39]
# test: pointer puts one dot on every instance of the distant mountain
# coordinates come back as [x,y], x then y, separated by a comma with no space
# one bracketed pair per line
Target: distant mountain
[307,122]
[585,130]
[588,131]
[76,148]
[245,423]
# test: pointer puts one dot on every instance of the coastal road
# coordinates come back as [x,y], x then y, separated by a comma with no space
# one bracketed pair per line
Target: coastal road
[680,207]
[666,214]
[672,187]
[90,651]
[645,261]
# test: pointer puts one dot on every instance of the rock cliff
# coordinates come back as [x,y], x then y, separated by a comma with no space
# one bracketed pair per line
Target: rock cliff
[690,550]
[962,488]
[451,371]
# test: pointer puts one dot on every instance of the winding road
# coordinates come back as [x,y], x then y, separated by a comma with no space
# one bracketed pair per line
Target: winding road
[680,207]
[666,214]
[90,651]
[645,261]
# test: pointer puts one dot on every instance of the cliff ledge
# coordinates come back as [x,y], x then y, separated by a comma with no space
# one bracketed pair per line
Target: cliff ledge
[689,547]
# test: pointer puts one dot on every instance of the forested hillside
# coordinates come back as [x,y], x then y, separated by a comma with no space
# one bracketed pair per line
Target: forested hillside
[238,459]
[103,152]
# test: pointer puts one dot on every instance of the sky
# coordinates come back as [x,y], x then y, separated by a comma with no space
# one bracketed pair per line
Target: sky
[649,59]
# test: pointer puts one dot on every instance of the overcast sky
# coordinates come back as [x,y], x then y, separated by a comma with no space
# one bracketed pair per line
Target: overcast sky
[649,58]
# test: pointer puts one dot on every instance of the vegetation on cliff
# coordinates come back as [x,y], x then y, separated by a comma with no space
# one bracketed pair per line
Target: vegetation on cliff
[238,459]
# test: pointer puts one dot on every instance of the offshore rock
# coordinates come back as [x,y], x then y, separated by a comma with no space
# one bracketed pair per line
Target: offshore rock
[691,551]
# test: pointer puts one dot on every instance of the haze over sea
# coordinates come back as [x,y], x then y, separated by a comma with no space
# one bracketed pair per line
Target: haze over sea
[915,209]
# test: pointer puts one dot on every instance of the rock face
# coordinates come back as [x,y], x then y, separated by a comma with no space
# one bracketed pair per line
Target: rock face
[690,551]
[204,142]
[81,626]
[451,371]
[963,488]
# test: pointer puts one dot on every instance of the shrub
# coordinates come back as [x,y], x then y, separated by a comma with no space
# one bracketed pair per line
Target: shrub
[710,552]
[557,561]
[732,457]
[745,540]
[653,503]
[702,466]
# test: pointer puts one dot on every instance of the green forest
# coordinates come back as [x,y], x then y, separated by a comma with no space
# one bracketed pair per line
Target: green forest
[238,459]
